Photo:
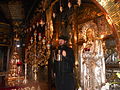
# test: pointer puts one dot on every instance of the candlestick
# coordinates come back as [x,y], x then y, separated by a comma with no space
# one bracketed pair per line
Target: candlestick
[25,80]
[38,53]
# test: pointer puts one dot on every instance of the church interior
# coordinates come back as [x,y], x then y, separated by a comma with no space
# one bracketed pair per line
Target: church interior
[29,31]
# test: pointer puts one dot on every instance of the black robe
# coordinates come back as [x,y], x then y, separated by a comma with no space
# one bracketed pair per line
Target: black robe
[64,70]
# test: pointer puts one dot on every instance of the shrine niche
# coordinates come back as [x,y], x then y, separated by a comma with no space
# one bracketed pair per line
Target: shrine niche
[103,32]
[91,54]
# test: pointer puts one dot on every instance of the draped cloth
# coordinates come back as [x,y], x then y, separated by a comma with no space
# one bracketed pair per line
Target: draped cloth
[92,65]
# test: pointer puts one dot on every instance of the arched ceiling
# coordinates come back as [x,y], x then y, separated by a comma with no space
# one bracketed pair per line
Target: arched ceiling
[19,12]
[12,13]
[14,10]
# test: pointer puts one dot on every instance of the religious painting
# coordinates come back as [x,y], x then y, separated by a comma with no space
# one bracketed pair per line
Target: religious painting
[103,26]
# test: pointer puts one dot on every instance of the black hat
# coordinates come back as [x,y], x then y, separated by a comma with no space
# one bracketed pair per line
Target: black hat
[63,37]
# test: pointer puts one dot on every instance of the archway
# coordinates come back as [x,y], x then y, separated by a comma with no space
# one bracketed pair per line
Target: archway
[111,10]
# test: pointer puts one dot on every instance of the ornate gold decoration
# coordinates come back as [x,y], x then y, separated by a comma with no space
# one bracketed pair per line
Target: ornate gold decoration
[14,76]
[37,53]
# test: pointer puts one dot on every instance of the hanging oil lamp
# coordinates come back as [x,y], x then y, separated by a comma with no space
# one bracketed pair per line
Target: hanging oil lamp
[30,28]
[69,4]
[37,24]
[79,2]
[54,15]
[33,26]
[61,8]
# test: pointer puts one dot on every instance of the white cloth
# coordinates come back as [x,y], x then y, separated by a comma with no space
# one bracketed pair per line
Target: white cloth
[92,66]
